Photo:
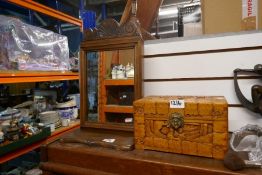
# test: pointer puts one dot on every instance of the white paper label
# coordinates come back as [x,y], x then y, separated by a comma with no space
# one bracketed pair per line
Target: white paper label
[249,9]
[1,135]
[177,103]
[128,120]
[109,140]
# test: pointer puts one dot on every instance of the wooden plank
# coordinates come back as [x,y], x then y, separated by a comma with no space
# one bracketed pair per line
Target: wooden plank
[119,82]
[102,97]
[126,13]
[134,162]
[147,11]
[68,169]
[36,79]
[35,76]
[22,73]
[118,109]
[83,89]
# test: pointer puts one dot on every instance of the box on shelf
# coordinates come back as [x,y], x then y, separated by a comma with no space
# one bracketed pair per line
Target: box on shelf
[191,125]
[26,47]
[189,19]
[220,16]
[12,146]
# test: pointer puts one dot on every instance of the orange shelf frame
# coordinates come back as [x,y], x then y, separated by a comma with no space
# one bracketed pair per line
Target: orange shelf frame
[118,109]
[33,76]
[57,133]
[120,82]
[29,4]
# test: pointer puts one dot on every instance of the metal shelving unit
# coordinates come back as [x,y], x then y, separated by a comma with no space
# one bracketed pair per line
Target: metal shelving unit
[31,5]
[33,76]
[57,133]
[7,77]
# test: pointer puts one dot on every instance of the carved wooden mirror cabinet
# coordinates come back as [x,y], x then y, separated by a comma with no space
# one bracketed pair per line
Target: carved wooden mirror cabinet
[110,78]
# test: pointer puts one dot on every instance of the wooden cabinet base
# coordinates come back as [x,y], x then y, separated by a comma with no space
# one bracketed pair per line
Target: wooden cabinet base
[69,170]
[78,159]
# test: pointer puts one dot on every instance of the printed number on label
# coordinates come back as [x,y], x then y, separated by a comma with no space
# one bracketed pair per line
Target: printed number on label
[177,103]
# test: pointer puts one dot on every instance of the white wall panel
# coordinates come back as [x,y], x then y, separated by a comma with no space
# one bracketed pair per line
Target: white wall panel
[201,88]
[200,65]
[205,65]
[239,117]
[208,42]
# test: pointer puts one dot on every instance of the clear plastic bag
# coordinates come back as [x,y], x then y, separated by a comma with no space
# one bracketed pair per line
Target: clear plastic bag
[248,139]
[26,47]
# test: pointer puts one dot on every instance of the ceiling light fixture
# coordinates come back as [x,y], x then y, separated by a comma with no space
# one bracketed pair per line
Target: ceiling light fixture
[168,11]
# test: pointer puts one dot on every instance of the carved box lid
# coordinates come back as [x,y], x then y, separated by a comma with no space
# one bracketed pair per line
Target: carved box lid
[187,106]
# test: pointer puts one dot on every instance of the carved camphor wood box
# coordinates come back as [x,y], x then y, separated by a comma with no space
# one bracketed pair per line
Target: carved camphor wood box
[182,124]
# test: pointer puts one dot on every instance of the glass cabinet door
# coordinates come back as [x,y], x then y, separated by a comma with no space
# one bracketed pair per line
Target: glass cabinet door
[92,86]
[110,80]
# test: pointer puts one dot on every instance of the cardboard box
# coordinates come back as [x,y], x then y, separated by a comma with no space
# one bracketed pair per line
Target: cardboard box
[219,16]
[260,14]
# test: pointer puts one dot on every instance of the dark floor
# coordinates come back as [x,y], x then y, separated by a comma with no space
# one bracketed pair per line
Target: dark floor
[21,165]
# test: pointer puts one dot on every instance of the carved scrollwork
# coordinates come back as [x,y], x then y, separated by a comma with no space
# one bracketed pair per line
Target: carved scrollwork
[110,28]
[138,110]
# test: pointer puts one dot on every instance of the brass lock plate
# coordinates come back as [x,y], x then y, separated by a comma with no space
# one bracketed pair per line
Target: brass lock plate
[176,121]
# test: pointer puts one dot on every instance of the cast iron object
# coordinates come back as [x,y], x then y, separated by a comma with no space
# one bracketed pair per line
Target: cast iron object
[256,90]
[235,162]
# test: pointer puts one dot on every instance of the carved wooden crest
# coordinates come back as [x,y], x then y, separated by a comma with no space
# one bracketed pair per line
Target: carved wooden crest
[110,28]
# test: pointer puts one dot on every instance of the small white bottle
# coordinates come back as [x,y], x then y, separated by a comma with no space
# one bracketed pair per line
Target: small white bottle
[1,136]
[130,73]
[120,72]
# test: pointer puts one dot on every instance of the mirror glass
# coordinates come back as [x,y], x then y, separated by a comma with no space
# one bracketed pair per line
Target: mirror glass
[92,90]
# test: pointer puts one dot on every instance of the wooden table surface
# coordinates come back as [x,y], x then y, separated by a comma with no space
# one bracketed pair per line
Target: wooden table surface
[65,157]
